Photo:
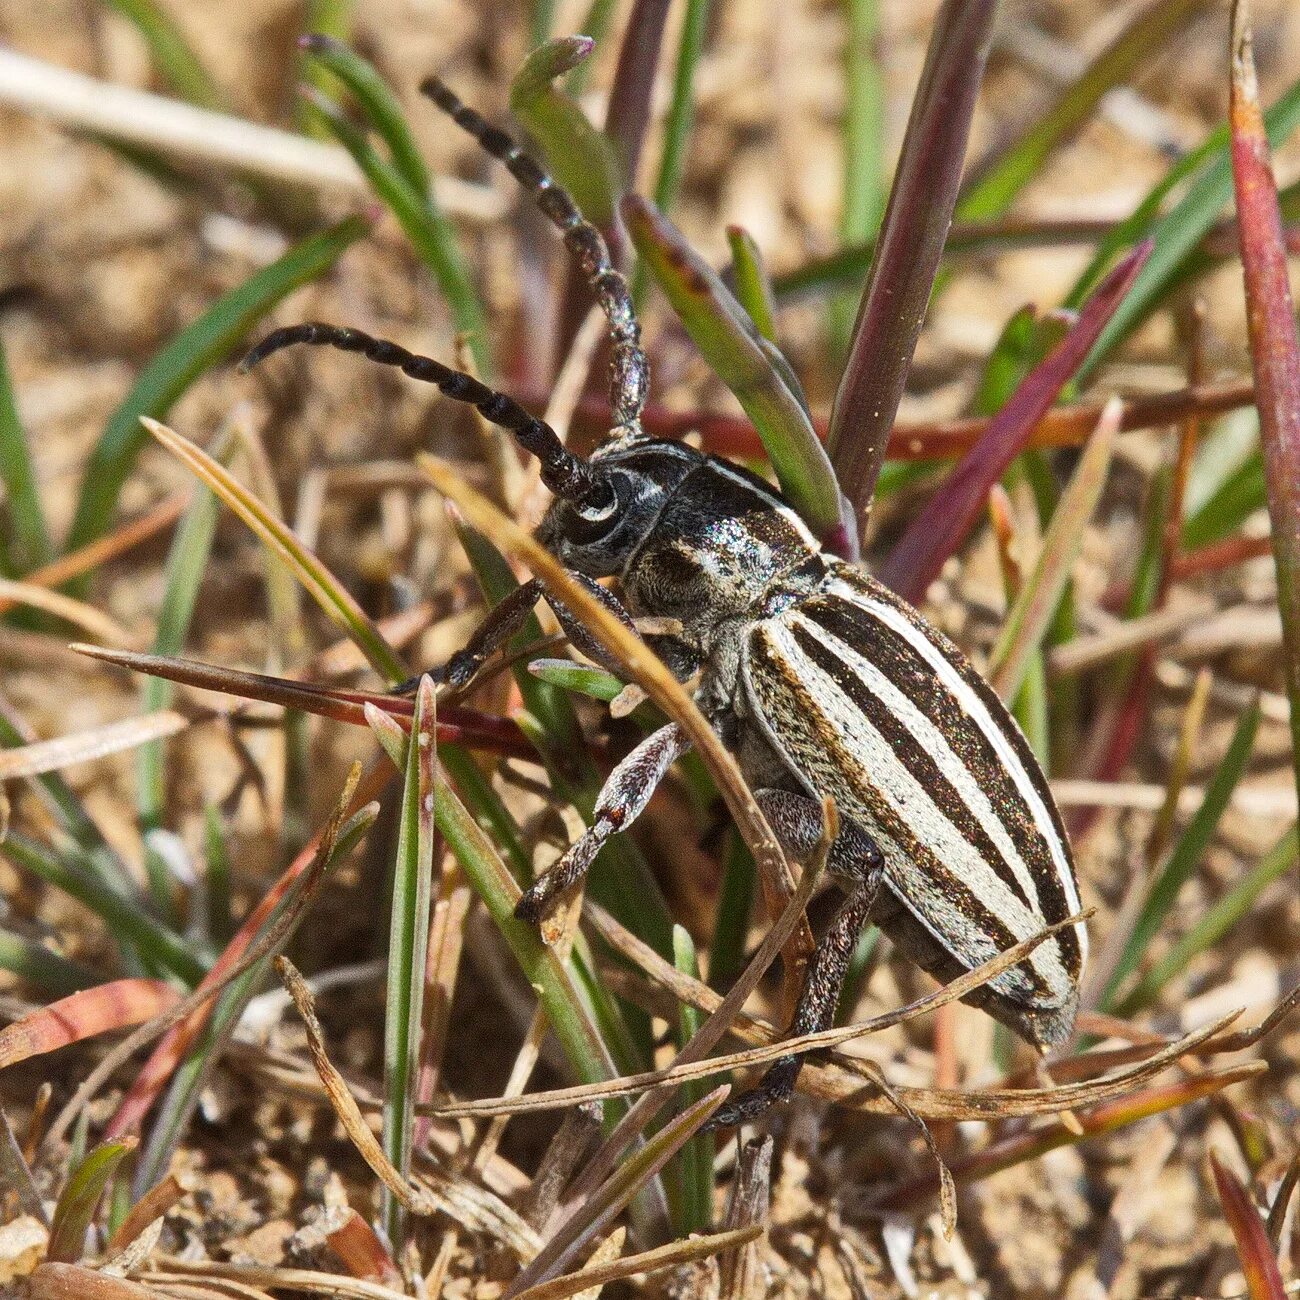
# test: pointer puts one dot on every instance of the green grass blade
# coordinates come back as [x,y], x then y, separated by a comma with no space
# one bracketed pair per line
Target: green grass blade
[727,951]
[752,284]
[28,544]
[729,342]
[333,19]
[128,922]
[580,157]
[171,53]
[216,861]
[681,106]
[377,101]
[1186,854]
[864,151]
[1216,924]
[186,563]
[80,1197]
[208,340]
[408,943]
[1177,234]
[33,962]
[996,184]
[430,233]
[694,1207]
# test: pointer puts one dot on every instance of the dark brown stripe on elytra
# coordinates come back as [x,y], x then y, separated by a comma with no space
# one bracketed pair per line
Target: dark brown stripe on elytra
[905,667]
[815,746]
[916,758]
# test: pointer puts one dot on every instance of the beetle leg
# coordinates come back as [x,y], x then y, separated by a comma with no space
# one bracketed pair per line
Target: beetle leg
[622,799]
[857,863]
[503,620]
[579,637]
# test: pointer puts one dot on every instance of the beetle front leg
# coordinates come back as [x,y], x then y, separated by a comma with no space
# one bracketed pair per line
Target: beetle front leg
[622,799]
[857,863]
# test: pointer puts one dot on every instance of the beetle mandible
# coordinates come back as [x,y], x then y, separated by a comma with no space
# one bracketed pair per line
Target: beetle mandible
[819,679]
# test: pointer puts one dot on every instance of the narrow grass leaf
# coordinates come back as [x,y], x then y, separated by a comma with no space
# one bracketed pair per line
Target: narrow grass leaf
[430,233]
[731,345]
[455,725]
[1274,347]
[377,101]
[1185,856]
[408,941]
[584,679]
[119,1004]
[581,157]
[1176,235]
[328,592]
[681,104]
[942,526]
[587,1224]
[86,746]
[1035,606]
[173,56]
[198,347]
[332,19]
[632,92]
[996,183]
[79,1198]
[187,561]
[752,284]
[911,242]
[1218,921]
[28,544]
[128,922]
[1258,1259]
[42,968]
[694,1208]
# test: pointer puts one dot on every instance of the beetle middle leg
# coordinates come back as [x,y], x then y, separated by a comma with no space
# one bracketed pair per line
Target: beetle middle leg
[857,863]
[621,801]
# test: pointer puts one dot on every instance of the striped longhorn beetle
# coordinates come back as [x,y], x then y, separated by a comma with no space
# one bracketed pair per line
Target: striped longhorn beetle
[818,678]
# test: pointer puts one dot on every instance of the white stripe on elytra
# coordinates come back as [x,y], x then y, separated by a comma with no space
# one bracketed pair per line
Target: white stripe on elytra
[934,744]
[973,705]
[872,754]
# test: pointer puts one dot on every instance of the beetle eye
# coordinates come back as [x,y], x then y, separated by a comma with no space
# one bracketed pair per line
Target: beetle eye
[599,503]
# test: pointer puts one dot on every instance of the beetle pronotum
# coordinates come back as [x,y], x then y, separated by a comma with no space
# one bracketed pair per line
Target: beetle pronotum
[820,680]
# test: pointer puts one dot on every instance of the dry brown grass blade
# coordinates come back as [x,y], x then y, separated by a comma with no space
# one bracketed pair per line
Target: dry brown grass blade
[345,1106]
[150,1207]
[681,1070]
[73,1282]
[108,547]
[643,666]
[94,622]
[308,1281]
[363,1254]
[86,746]
[648,1261]
[743,1276]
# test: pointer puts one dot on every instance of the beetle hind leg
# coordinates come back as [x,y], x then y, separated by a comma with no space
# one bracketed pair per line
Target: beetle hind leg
[858,865]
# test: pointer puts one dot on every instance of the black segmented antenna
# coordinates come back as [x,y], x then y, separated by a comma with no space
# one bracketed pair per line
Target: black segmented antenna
[629,377]
[564,473]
